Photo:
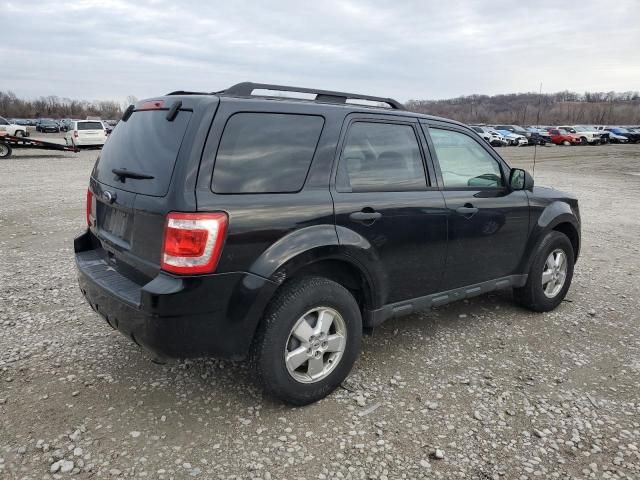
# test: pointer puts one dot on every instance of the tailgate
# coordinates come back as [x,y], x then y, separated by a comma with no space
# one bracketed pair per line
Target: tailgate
[130,183]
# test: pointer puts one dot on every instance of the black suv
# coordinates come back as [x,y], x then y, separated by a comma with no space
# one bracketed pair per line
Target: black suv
[244,224]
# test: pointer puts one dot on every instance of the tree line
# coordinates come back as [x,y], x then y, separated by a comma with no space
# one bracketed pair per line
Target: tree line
[596,108]
[613,108]
[55,107]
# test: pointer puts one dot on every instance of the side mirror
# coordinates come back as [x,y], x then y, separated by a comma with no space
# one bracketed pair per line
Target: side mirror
[520,179]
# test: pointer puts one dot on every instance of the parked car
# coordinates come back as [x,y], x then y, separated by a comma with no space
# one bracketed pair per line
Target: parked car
[47,126]
[560,136]
[513,138]
[518,130]
[587,135]
[65,124]
[538,136]
[492,137]
[8,128]
[109,125]
[616,137]
[628,134]
[244,226]
[86,133]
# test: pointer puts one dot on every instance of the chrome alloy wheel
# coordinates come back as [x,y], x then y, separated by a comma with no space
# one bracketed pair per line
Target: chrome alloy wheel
[554,273]
[315,345]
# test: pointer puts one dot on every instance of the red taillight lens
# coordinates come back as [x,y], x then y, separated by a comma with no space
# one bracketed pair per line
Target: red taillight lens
[89,207]
[193,242]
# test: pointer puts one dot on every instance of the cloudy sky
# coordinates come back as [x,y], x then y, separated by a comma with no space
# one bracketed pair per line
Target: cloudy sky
[108,49]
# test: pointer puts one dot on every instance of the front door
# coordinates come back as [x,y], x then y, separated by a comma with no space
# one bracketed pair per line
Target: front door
[383,195]
[488,222]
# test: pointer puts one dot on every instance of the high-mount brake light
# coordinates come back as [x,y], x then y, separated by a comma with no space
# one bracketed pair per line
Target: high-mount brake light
[193,242]
[89,207]
[150,105]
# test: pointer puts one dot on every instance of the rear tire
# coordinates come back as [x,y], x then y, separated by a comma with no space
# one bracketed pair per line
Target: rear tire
[294,323]
[547,286]
[20,133]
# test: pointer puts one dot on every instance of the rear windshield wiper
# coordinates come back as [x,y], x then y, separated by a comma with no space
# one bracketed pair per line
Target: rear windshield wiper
[123,173]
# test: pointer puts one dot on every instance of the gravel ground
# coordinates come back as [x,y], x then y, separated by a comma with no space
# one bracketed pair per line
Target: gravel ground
[480,389]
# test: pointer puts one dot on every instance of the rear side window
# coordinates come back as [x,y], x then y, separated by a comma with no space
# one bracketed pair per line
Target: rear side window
[146,143]
[90,126]
[380,157]
[265,152]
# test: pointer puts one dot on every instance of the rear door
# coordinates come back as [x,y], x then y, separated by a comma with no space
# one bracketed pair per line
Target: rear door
[488,223]
[384,193]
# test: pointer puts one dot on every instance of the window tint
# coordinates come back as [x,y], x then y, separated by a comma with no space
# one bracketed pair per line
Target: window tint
[265,153]
[380,157]
[90,126]
[146,143]
[463,161]
[3,121]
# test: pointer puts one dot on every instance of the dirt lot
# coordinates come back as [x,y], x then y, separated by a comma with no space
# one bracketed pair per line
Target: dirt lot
[477,390]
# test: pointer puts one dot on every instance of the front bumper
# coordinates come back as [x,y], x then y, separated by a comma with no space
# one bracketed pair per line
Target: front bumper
[174,316]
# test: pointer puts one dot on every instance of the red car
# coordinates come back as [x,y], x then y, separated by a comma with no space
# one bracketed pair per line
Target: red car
[562,137]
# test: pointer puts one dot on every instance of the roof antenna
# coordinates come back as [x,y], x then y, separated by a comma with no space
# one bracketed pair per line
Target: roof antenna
[535,145]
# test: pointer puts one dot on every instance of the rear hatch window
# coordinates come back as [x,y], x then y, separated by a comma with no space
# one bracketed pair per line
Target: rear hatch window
[147,143]
[90,126]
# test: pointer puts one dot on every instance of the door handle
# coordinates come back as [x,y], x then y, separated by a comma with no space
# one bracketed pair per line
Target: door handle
[367,217]
[467,210]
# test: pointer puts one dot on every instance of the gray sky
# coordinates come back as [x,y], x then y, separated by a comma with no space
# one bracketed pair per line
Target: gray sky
[108,49]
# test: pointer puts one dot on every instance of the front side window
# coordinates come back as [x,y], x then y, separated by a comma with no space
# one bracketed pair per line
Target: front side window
[380,157]
[463,161]
[265,152]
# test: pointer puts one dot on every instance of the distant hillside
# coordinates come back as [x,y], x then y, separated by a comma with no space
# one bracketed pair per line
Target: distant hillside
[54,107]
[522,108]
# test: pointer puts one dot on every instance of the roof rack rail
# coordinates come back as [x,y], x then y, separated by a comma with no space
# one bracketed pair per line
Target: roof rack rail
[183,92]
[245,89]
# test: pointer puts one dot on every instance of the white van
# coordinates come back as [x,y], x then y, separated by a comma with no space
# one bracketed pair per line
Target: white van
[85,133]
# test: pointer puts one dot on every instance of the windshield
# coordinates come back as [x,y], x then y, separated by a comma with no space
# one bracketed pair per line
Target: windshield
[147,143]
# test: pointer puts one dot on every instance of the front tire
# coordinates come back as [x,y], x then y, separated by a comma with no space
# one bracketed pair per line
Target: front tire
[550,274]
[308,340]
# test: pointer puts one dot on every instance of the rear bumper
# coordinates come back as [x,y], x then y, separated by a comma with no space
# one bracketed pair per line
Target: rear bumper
[86,142]
[173,316]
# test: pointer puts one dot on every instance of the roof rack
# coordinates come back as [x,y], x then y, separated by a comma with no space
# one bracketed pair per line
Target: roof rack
[183,92]
[245,89]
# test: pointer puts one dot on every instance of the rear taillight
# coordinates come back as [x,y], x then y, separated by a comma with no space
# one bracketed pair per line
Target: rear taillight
[193,242]
[75,133]
[89,207]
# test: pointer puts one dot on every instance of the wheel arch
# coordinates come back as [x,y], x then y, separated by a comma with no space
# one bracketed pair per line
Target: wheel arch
[557,216]
[571,231]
